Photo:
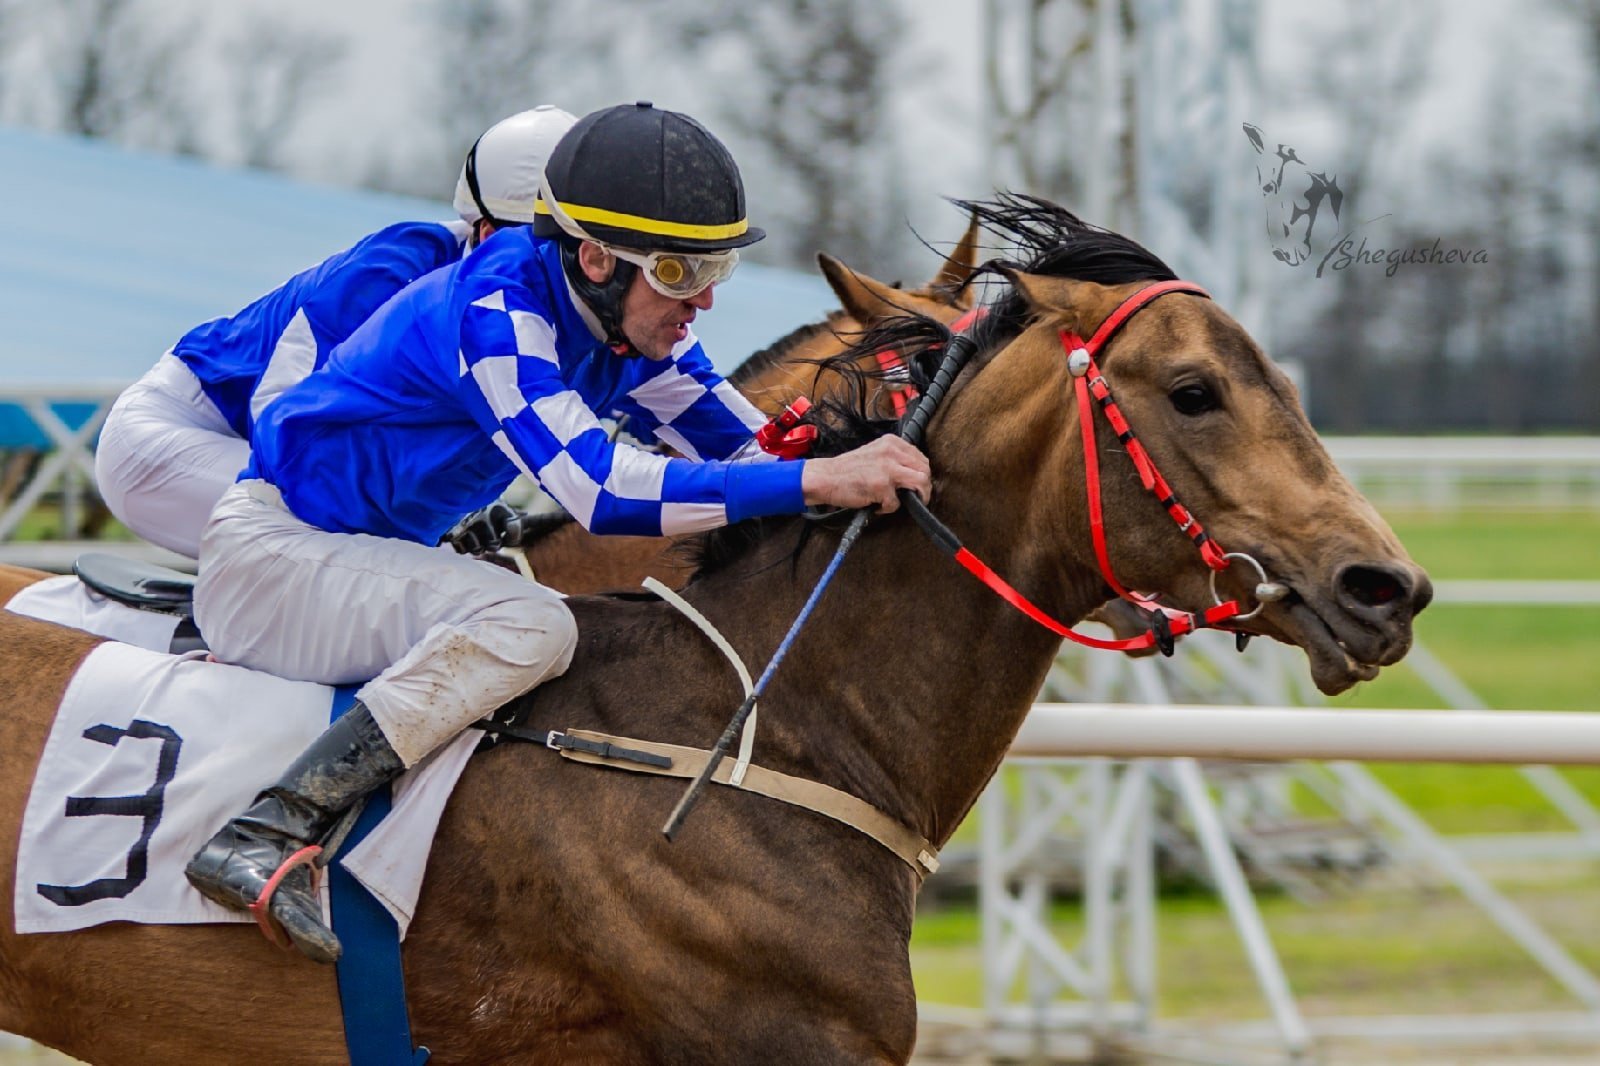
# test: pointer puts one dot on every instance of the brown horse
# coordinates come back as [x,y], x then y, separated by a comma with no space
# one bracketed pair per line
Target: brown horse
[558,926]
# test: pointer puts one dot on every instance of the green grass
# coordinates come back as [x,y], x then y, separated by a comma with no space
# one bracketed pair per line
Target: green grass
[1487,545]
[43,522]
[1389,950]
[1375,951]
[1513,658]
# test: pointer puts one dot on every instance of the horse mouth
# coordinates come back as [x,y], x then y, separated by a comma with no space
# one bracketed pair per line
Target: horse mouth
[1341,649]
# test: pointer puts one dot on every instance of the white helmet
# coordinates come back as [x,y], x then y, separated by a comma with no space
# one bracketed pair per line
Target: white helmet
[500,179]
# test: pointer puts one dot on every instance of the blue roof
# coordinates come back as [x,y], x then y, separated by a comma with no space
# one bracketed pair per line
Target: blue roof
[107,256]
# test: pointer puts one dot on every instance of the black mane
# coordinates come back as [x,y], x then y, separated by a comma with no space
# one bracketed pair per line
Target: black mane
[536,527]
[1045,238]
[843,420]
[1052,241]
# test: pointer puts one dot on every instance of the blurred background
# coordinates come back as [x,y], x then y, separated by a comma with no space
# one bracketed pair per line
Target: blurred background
[1400,200]
[1472,123]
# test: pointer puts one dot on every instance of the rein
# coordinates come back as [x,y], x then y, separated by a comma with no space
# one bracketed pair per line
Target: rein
[960,349]
[1166,624]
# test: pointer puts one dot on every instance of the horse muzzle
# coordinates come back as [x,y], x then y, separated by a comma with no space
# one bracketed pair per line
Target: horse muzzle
[1352,624]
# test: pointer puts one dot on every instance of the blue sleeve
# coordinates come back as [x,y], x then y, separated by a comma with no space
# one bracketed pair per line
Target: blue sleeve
[340,294]
[374,270]
[549,431]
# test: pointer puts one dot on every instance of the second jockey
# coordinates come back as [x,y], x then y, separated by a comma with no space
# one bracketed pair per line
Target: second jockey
[322,565]
[177,438]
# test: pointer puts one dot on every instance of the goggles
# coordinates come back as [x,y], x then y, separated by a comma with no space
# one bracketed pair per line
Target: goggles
[676,275]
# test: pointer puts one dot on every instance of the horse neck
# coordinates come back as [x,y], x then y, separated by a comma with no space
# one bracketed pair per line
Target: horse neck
[574,561]
[911,680]
[771,379]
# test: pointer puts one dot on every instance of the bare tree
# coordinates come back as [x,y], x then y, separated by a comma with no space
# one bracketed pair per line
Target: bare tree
[274,69]
[1584,150]
[810,82]
[1040,91]
[119,75]
[495,58]
[1367,83]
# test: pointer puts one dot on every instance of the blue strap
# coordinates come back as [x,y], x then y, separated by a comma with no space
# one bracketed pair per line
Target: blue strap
[372,988]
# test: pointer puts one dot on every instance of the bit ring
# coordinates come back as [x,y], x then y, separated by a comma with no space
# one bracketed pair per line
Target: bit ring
[1266,590]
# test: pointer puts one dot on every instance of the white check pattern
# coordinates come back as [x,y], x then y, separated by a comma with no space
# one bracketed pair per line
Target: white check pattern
[550,430]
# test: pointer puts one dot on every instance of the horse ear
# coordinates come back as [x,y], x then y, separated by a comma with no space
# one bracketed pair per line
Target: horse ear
[865,299]
[962,261]
[1077,305]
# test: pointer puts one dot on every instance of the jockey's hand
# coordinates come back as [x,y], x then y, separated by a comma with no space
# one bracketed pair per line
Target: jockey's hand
[868,476]
[488,530]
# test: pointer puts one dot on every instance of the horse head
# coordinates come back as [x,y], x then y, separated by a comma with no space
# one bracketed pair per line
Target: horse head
[1222,423]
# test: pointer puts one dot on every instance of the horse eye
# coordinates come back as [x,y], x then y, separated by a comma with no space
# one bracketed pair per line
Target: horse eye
[1194,399]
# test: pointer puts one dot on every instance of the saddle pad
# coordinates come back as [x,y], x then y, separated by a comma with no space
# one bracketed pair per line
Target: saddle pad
[67,601]
[150,754]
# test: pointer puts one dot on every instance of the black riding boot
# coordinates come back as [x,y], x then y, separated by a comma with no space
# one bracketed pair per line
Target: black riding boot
[350,759]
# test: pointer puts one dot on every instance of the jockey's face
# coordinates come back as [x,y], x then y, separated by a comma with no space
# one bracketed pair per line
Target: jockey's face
[656,323]
[653,323]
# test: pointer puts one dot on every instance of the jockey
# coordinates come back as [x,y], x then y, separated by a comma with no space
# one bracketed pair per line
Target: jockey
[177,438]
[321,563]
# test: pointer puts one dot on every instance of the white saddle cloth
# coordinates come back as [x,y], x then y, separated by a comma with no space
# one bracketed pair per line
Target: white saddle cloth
[151,753]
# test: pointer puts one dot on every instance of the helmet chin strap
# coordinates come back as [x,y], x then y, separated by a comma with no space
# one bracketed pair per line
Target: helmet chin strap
[603,299]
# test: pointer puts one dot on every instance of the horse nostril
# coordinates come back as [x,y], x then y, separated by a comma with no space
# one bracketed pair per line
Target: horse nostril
[1377,587]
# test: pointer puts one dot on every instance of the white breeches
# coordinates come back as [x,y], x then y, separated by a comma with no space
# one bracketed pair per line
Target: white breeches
[444,638]
[165,457]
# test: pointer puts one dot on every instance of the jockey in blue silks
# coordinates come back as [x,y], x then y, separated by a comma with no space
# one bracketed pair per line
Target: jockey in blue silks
[322,562]
[177,438]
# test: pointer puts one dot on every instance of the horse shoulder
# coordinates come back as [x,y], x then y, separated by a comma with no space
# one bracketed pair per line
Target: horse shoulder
[555,910]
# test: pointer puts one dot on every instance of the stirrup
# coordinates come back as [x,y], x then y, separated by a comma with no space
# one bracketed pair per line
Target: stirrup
[261,908]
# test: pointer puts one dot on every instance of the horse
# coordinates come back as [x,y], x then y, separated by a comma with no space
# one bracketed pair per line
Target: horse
[558,925]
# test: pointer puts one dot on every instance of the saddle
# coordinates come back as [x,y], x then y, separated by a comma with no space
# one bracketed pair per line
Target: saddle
[145,587]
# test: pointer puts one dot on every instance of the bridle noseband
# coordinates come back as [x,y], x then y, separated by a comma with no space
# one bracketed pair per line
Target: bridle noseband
[1088,382]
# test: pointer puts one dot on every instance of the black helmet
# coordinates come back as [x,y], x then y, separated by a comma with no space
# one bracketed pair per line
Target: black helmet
[638,177]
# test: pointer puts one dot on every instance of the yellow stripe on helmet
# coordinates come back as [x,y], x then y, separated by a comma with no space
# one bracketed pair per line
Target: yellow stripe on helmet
[640,224]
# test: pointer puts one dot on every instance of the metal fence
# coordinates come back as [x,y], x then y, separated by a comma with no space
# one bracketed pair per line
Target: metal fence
[47,437]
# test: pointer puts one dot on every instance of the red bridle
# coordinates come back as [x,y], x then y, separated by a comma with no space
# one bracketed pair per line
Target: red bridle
[1089,382]
[892,365]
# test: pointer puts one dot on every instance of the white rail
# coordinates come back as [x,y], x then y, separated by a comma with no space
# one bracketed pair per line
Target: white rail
[1130,731]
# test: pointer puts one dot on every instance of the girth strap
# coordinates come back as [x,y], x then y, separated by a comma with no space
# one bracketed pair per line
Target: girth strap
[858,814]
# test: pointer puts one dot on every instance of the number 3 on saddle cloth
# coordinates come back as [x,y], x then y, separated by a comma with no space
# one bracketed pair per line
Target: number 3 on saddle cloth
[150,753]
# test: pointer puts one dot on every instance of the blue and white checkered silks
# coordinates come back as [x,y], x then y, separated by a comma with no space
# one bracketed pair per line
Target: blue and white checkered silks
[553,435]
[486,369]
